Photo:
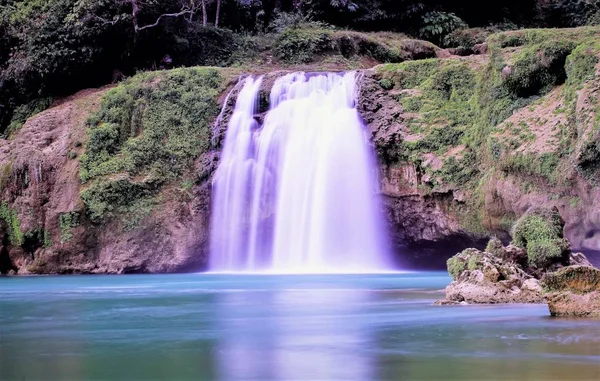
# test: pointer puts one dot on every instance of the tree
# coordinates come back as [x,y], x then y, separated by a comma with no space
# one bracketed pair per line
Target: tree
[187,7]
[218,13]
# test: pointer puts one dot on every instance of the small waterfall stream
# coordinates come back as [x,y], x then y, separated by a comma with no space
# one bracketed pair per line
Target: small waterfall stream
[297,194]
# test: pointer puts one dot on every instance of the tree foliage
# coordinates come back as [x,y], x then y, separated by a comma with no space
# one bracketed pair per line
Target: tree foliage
[51,48]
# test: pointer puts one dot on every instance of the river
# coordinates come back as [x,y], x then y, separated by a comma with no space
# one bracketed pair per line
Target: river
[259,327]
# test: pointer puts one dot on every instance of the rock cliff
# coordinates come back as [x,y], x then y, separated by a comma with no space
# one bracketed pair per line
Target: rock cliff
[117,180]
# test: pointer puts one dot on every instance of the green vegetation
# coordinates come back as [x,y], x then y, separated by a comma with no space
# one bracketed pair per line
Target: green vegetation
[455,109]
[56,47]
[443,97]
[66,222]
[438,25]
[306,44]
[581,63]
[11,219]
[581,67]
[152,127]
[475,262]
[47,239]
[455,267]
[540,234]
[468,37]
[134,212]
[469,259]
[36,238]
[24,112]
[537,68]
[495,247]
[544,165]
[107,198]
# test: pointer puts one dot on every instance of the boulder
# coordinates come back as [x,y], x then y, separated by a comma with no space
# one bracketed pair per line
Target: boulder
[540,234]
[491,277]
[480,48]
[570,304]
[573,291]
[511,274]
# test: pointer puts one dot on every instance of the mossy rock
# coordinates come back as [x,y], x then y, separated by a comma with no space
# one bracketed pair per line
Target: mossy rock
[579,279]
[540,233]
[538,68]
[302,45]
[468,259]
[495,247]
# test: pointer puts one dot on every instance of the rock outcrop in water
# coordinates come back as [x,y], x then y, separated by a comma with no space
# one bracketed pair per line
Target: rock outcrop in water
[492,276]
[538,267]
[573,291]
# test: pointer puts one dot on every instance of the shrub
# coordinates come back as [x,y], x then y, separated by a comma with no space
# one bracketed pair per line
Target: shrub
[386,84]
[307,44]
[157,124]
[200,45]
[297,46]
[468,259]
[467,37]
[569,13]
[537,68]
[540,234]
[544,164]
[11,219]
[581,64]
[437,25]
[455,266]
[105,198]
[66,222]
[495,247]
[543,253]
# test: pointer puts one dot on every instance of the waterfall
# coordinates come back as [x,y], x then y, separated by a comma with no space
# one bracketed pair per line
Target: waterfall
[297,194]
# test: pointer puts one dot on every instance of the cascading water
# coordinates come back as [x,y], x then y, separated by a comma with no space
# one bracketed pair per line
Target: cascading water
[297,194]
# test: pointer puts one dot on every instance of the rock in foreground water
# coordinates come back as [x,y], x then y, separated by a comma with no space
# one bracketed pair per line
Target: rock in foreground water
[538,267]
[573,291]
[486,277]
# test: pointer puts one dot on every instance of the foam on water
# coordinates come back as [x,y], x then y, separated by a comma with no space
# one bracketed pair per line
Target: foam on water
[297,194]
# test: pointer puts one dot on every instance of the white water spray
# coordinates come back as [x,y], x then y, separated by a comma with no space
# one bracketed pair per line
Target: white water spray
[297,194]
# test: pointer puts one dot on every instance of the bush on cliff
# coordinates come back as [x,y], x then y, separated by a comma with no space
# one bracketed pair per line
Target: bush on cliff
[540,233]
[10,218]
[152,126]
[538,68]
[305,44]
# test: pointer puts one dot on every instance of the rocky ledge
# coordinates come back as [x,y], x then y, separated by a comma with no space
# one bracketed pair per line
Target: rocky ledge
[537,267]
[573,291]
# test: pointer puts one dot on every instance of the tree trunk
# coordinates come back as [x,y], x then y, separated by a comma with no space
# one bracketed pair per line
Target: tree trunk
[204,16]
[134,12]
[218,12]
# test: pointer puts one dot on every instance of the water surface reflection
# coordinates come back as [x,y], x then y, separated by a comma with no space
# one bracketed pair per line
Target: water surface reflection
[225,327]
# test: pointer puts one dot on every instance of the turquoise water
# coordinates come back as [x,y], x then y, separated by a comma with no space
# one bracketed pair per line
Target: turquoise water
[228,327]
